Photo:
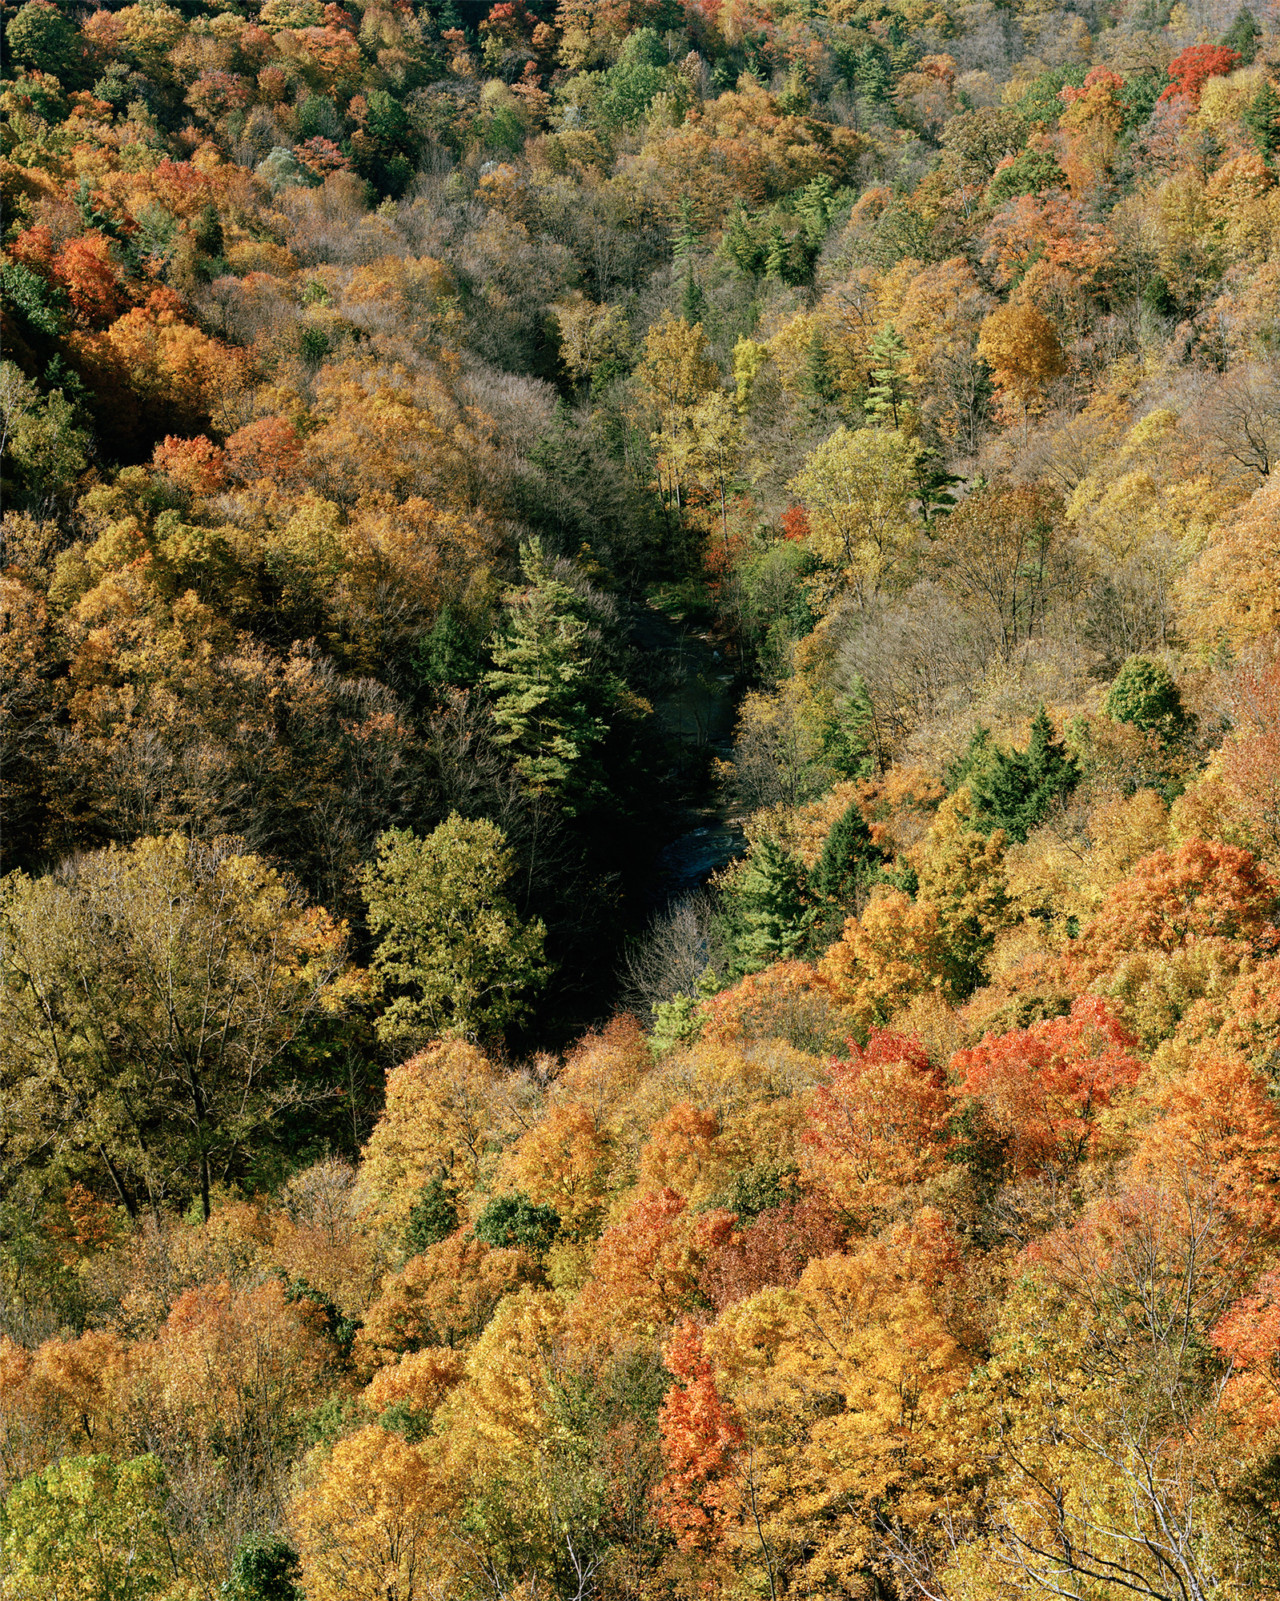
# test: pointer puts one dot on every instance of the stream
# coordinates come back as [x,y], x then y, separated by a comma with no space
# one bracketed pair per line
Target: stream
[694,710]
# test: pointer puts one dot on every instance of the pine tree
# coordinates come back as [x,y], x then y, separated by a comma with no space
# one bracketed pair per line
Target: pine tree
[1243,35]
[814,208]
[685,253]
[1018,787]
[1262,120]
[1145,695]
[889,393]
[849,859]
[770,909]
[544,693]
[817,381]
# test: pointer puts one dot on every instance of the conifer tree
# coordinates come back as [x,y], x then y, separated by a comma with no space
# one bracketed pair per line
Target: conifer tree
[544,697]
[888,395]
[1262,120]
[1017,787]
[849,858]
[770,914]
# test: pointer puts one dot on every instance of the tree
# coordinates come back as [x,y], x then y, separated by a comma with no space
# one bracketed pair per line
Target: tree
[1202,890]
[1243,35]
[1013,790]
[858,488]
[515,1220]
[442,1297]
[887,396]
[453,950]
[1043,1087]
[1249,758]
[895,951]
[42,38]
[90,1528]
[1144,694]
[1192,69]
[163,1005]
[374,1522]
[1261,117]
[768,910]
[563,1162]
[997,553]
[443,1107]
[1230,594]
[547,700]
[676,374]
[849,860]
[879,1127]
[1020,345]
[264,1568]
[960,872]
[700,1439]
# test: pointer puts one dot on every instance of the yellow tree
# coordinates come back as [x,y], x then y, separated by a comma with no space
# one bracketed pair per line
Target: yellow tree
[845,1389]
[443,1107]
[858,487]
[1020,345]
[894,952]
[373,1521]
[676,373]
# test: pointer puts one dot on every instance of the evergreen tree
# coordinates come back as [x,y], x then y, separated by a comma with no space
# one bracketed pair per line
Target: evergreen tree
[1145,695]
[1016,789]
[889,393]
[873,75]
[815,207]
[818,381]
[433,1218]
[265,1568]
[447,653]
[514,1219]
[1262,120]
[1243,35]
[849,859]
[685,253]
[545,697]
[972,763]
[769,914]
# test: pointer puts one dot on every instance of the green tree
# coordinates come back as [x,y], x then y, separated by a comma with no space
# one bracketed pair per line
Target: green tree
[546,698]
[769,915]
[1262,120]
[889,394]
[164,1005]
[88,1529]
[1243,35]
[1014,789]
[43,451]
[849,860]
[42,38]
[516,1220]
[1145,695]
[454,955]
[433,1218]
[265,1568]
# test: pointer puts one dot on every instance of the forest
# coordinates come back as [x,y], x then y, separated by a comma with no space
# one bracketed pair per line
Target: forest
[640,765]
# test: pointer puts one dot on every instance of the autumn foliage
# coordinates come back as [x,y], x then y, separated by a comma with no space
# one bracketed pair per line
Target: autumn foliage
[640,768]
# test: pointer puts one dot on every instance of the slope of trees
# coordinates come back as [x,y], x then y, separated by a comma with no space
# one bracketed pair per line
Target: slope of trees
[389,392]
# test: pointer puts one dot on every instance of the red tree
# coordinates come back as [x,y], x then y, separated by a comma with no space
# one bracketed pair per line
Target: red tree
[1194,67]
[699,1440]
[1043,1086]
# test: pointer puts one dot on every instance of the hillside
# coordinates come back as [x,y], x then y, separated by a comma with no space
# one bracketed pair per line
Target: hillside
[640,714]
